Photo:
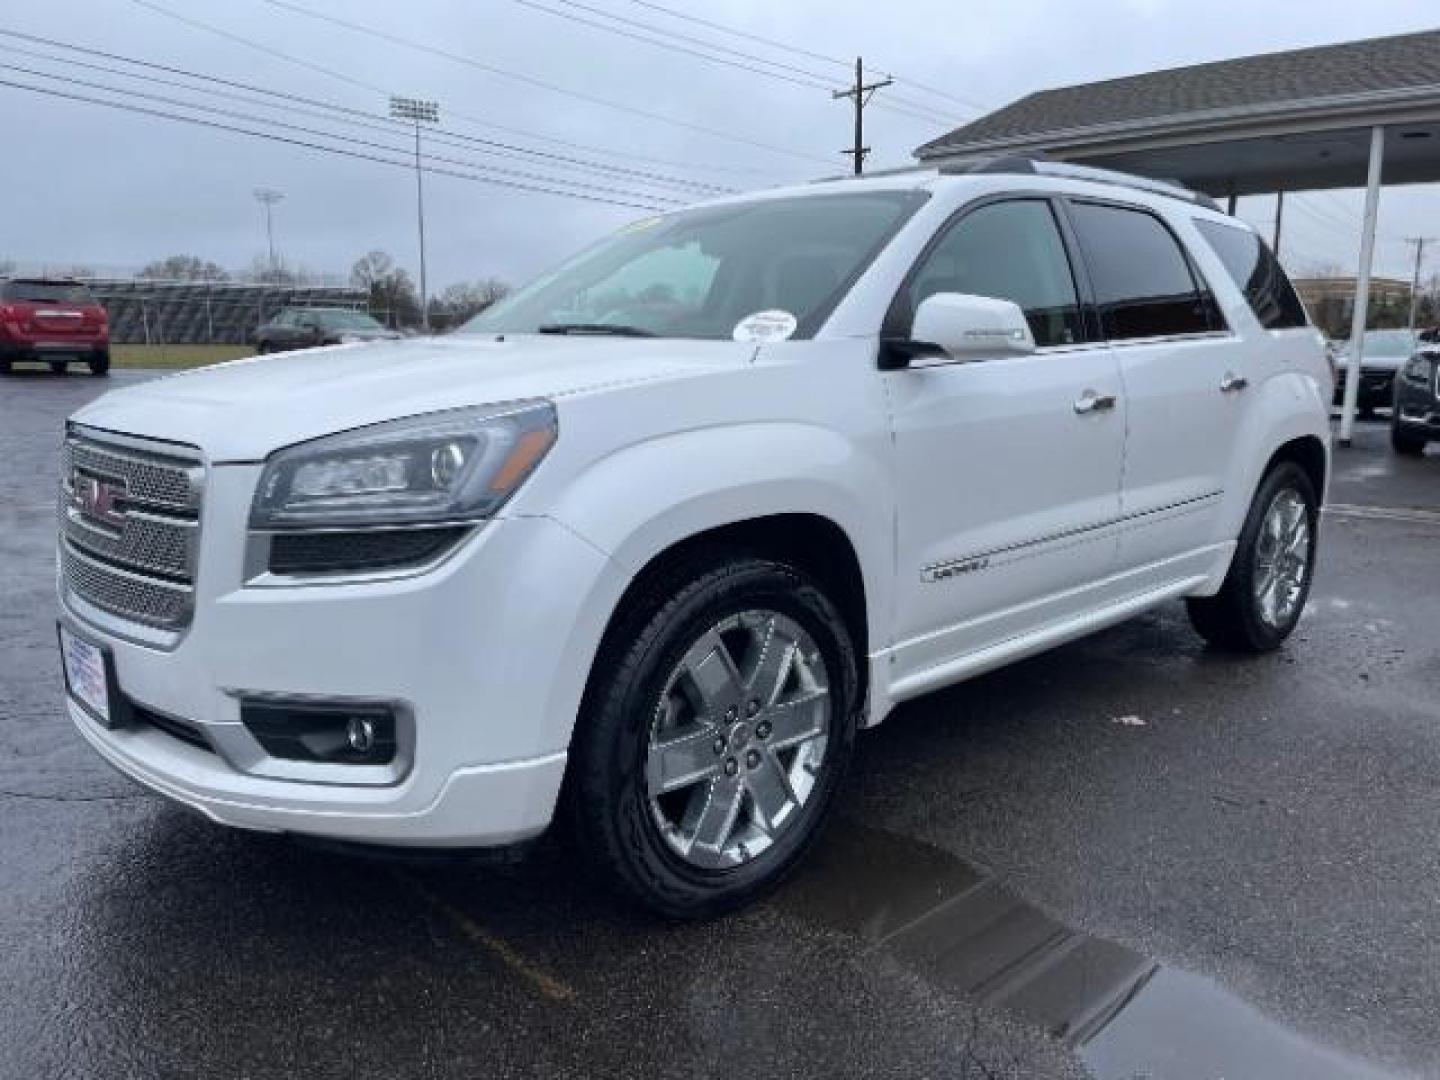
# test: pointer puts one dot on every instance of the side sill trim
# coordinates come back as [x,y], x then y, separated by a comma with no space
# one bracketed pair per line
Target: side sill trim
[948,568]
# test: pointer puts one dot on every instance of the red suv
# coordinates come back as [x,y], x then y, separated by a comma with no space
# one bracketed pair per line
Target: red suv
[52,322]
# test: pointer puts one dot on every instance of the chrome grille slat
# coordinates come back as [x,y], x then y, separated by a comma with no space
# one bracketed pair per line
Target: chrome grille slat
[155,544]
[130,596]
[138,564]
[163,482]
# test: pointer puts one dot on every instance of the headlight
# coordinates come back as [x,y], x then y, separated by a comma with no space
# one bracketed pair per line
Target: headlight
[1417,370]
[452,466]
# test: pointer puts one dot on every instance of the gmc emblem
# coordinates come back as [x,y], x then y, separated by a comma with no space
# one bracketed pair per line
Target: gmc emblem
[96,499]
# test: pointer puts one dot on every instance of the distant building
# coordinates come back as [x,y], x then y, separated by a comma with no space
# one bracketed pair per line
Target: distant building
[1331,300]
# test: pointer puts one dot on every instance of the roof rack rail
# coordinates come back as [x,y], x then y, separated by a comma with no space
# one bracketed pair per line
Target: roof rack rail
[1039,165]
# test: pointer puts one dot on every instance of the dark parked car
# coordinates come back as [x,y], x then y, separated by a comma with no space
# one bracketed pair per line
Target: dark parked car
[46,321]
[1385,352]
[1416,419]
[304,328]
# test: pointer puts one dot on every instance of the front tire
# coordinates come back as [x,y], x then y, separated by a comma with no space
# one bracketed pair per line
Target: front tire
[58,367]
[1407,442]
[1270,574]
[718,724]
[100,363]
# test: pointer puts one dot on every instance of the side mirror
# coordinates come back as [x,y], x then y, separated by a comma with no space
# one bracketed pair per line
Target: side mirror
[958,326]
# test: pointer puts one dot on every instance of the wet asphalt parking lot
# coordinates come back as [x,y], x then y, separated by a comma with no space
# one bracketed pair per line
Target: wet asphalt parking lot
[1128,857]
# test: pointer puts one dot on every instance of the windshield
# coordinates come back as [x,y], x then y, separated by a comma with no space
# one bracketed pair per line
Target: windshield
[347,320]
[63,292]
[699,273]
[1389,343]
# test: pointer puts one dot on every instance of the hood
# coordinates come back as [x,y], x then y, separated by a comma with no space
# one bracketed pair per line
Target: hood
[243,410]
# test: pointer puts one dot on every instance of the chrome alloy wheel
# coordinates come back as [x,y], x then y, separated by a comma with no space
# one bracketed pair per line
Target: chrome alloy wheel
[1282,559]
[737,739]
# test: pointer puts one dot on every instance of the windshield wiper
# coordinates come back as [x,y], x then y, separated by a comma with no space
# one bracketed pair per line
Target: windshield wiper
[614,329]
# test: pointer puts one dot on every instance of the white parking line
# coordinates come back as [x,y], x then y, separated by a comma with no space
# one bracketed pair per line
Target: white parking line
[1384,513]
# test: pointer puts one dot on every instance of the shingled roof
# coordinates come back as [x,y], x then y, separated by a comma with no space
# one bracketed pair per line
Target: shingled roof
[1249,84]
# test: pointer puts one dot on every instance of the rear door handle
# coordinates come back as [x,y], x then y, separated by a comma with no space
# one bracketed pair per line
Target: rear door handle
[1090,402]
[1233,383]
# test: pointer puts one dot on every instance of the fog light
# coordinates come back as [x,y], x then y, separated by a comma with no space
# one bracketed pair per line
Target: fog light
[334,732]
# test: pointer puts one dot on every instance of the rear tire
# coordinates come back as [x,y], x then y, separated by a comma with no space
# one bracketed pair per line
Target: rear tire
[690,795]
[1407,442]
[100,363]
[58,367]
[1270,573]
[4,367]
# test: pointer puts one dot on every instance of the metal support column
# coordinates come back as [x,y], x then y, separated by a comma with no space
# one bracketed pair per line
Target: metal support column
[1362,285]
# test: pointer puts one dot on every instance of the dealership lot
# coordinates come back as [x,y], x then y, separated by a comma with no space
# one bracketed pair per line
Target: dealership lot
[1266,826]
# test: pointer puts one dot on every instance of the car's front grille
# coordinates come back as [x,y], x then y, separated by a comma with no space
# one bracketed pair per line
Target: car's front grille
[130,526]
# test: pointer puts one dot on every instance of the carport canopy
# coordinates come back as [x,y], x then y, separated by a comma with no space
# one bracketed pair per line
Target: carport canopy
[1348,115]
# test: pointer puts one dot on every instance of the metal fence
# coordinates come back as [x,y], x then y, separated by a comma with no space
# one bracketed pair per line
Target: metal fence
[143,312]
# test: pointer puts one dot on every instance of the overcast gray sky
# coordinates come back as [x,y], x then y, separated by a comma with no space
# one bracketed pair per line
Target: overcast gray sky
[87,184]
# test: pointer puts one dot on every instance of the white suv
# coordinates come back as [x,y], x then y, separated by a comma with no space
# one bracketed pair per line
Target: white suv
[648,541]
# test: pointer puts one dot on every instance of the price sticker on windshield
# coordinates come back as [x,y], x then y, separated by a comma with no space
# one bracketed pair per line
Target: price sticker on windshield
[765,326]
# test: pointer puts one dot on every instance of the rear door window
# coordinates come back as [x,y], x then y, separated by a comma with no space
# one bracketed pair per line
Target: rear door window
[1257,273]
[1144,287]
[45,292]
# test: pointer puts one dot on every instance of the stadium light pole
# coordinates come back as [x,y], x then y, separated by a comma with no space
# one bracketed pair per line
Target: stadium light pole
[418,112]
[268,197]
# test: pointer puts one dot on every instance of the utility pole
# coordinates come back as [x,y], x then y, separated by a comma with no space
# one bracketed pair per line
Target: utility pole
[268,197]
[1419,242]
[413,109]
[860,94]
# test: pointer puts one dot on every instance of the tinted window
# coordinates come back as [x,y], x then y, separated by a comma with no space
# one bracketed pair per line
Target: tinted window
[1009,251]
[1143,284]
[61,292]
[1257,273]
[346,320]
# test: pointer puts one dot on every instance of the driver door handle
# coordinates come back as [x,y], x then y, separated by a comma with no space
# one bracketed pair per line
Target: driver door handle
[1090,402]
[1233,383]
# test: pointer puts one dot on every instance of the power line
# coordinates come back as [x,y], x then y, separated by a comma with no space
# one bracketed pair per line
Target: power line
[336,112]
[808,78]
[420,46]
[790,47]
[307,145]
[232,114]
[298,61]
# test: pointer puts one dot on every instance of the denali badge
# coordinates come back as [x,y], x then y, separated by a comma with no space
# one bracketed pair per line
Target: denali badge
[96,499]
[942,571]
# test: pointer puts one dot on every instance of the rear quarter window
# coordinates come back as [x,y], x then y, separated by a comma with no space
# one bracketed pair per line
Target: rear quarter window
[1256,273]
[55,292]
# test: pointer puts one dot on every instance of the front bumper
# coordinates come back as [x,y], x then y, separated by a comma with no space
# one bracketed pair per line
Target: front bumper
[43,352]
[1376,390]
[476,806]
[488,654]
[1417,407]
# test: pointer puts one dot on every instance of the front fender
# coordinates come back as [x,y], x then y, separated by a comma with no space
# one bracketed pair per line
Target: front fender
[644,497]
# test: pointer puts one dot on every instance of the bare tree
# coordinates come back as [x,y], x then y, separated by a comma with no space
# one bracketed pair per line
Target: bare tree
[183,268]
[464,300]
[392,293]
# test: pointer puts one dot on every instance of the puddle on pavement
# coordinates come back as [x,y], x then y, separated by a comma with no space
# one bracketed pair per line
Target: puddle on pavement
[961,929]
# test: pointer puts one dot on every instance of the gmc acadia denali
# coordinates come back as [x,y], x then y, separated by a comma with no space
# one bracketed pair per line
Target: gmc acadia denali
[643,546]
